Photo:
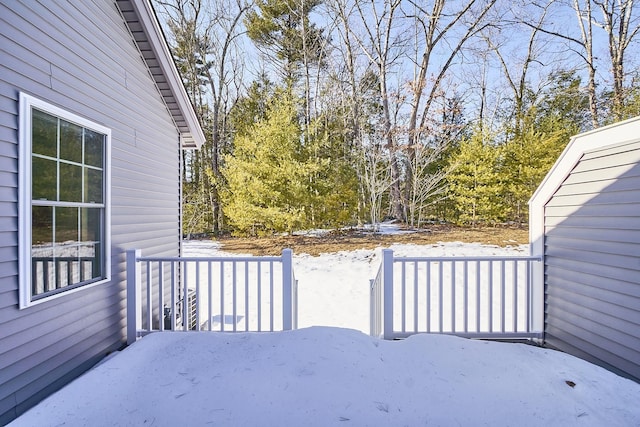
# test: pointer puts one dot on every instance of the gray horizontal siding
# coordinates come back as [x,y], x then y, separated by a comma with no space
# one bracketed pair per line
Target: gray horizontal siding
[580,260]
[598,270]
[610,333]
[592,263]
[605,158]
[582,346]
[80,56]
[605,223]
[596,186]
[591,233]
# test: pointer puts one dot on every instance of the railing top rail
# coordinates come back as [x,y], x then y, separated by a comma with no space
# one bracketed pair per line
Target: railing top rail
[212,259]
[467,258]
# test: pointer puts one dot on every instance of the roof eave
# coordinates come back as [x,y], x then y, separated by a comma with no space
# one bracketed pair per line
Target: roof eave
[193,136]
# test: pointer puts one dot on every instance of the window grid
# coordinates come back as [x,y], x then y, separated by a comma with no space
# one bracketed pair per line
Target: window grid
[65,233]
[60,270]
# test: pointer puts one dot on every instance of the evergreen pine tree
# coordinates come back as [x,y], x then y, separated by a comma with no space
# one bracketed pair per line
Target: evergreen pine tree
[268,174]
[476,184]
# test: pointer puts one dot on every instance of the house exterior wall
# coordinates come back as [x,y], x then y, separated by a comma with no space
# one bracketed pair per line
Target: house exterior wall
[592,258]
[80,56]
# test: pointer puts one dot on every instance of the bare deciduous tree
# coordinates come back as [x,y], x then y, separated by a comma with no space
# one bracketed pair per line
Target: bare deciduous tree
[382,45]
[440,34]
[621,26]
[516,69]
[376,178]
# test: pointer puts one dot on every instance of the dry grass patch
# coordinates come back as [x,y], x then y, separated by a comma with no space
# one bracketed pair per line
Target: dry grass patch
[346,240]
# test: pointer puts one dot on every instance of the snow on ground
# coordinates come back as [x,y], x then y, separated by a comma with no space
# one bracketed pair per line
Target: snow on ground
[328,375]
[333,288]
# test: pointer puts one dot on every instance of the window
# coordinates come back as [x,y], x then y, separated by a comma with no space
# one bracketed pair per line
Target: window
[64,202]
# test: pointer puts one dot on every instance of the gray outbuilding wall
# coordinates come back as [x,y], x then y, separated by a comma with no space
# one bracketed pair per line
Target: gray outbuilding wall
[590,239]
[80,56]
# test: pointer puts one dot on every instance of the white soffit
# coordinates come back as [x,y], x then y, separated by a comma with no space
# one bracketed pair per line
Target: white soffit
[146,31]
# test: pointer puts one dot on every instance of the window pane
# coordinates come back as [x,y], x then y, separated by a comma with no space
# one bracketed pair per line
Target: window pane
[44,129]
[93,148]
[66,225]
[70,183]
[42,265]
[66,249]
[70,142]
[44,179]
[42,225]
[91,246]
[91,224]
[93,186]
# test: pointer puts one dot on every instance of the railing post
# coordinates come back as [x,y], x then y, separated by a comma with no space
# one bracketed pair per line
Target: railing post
[536,286]
[387,281]
[134,310]
[287,289]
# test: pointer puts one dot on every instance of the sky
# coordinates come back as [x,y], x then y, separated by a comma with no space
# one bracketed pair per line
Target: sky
[331,373]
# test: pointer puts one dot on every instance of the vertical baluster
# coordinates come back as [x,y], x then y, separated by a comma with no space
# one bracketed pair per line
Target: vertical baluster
[465,308]
[415,296]
[160,297]
[271,296]
[428,267]
[173,296]
[527,303]
[69,272]
[234,294]
[440,300]
[403,298]
[56,269]
[453,296]
[246,296]
[185,296]
[45,277]
[490,300]
[222,285]
[149,295]
[259,292]
[210,293]
[515,296]
[502,295]
[478,305]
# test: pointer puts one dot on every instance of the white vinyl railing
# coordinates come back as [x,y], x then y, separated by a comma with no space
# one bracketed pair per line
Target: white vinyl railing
[375,305]
[225,294]
[478,297]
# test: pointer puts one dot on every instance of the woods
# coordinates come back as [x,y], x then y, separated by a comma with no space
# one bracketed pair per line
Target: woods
[342,112]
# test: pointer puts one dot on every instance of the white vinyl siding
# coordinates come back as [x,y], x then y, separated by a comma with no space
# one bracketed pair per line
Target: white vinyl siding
[591,248]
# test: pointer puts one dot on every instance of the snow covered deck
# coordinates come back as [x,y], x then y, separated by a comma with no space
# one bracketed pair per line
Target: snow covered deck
[337,377]
[335,374]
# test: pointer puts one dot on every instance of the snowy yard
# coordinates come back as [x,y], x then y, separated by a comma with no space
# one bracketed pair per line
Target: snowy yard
[333,288]
[331,373]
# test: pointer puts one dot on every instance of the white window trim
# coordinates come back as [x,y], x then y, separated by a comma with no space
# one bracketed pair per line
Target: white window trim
[27,102]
